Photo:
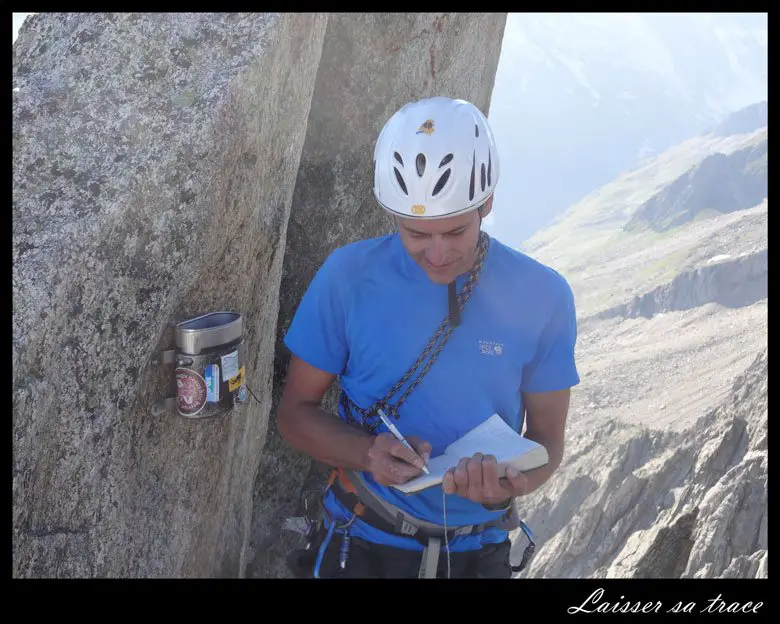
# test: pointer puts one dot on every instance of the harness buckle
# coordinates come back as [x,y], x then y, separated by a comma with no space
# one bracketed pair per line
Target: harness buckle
[463,530]
[405,527]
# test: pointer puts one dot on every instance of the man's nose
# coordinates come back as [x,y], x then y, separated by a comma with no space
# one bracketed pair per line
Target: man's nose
[437,251]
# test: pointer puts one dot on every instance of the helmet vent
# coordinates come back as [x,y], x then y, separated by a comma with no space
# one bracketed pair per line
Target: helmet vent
[399,159]
[483,177]
[490,166]
[400,181]
[471,184]
[420,162]
[476,130]
[442,181]
[445,160]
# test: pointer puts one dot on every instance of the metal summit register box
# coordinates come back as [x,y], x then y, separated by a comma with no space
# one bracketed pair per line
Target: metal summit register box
[210,366]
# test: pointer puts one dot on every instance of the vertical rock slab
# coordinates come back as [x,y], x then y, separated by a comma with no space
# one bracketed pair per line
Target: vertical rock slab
[371,65]
[153,170]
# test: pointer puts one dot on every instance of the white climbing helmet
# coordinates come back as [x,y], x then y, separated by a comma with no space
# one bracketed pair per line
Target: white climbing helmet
[435,158]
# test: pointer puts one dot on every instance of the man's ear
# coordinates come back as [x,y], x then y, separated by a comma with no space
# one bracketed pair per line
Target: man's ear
[485,209]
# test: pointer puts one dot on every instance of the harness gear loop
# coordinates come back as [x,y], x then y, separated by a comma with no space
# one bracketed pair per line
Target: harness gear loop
[433,348]
[335,527]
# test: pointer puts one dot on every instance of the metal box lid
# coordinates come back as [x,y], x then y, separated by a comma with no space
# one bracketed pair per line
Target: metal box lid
[208,331]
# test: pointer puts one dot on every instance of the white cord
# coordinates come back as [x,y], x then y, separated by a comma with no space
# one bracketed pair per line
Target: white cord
[446,540]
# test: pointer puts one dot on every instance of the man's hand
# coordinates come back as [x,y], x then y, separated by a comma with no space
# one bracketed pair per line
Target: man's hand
[477,479]
[391,462]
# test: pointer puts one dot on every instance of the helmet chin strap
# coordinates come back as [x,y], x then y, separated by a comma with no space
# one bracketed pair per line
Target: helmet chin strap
[452,297]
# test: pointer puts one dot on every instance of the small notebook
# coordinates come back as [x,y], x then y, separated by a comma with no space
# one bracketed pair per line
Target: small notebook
[492,437]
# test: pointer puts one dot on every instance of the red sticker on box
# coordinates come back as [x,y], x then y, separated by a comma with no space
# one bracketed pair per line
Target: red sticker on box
[191,391]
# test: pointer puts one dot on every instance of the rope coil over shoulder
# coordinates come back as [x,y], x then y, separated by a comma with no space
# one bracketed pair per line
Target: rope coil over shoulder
[368,418]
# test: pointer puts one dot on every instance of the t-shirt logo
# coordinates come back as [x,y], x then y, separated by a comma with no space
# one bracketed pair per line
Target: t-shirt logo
[487,347]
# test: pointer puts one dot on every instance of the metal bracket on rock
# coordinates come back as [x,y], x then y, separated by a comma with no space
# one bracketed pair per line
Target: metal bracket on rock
[164,357]
[161,358]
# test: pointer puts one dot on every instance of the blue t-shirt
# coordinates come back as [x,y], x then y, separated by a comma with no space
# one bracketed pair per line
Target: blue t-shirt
[370,311]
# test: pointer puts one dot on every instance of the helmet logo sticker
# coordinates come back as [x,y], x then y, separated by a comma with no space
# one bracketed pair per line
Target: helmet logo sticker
[418,209]
[426,127]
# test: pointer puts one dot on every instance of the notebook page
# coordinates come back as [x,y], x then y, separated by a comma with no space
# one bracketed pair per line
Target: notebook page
[492,437]
[437,466]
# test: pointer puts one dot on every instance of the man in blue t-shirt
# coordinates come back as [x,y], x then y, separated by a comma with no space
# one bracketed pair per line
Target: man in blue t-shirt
[498,327]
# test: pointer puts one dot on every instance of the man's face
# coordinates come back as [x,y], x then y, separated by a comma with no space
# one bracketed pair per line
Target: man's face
[443,248]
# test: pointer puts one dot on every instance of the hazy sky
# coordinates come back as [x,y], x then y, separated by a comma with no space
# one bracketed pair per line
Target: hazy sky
[579,97]
[18,19]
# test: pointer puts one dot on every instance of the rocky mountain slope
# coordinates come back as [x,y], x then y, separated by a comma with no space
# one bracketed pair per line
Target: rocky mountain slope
[718,184]
[582,97]
[733,283]
[662,504]
[590,243]
[665,473]
[744,121]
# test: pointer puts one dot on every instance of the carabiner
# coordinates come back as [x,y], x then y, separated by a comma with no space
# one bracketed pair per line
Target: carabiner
[527,530]
[345,540]
[529,550]
[329,536]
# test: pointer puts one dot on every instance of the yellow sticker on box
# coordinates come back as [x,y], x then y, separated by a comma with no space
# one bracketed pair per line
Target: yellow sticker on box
[235,382]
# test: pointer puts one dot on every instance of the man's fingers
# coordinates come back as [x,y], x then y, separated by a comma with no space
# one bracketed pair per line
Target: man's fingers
[404,454]
[474,468]
[399,470]
[517,480]
[422,447]
[462,476]
[391,462]
[448,484]
[490,484]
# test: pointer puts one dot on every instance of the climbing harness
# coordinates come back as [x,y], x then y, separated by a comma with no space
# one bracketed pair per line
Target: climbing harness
[354,494]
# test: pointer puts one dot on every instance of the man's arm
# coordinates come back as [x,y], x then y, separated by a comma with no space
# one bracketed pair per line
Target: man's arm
[546,414]
[311,430]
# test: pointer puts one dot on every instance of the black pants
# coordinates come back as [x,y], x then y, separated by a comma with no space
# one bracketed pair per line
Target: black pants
[368,560]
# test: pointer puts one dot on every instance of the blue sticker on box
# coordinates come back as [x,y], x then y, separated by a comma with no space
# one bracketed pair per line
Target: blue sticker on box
[242,393]
[212,383]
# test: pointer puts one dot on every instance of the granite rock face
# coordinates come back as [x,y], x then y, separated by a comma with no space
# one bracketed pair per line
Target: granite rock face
[371,65]
[157,161]
[155,157]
